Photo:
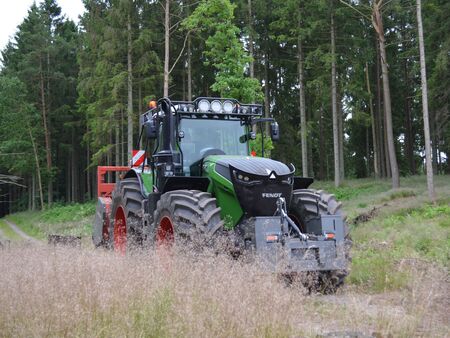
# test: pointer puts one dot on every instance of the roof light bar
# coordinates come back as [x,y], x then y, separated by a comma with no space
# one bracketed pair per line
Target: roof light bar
[217,106]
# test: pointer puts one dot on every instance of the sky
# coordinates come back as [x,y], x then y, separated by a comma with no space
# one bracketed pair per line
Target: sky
[12,13]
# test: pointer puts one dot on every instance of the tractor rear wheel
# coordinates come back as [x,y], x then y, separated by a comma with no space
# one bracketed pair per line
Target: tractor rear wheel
[126,223]
[189,216]
[305,206]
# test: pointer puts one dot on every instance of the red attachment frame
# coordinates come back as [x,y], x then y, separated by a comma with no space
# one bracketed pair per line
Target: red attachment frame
[105,189]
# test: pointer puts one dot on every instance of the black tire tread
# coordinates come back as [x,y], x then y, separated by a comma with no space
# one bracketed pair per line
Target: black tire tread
[128,194]
[192,211]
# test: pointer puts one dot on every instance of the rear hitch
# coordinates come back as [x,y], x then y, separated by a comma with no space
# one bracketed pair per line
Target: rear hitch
[282,211]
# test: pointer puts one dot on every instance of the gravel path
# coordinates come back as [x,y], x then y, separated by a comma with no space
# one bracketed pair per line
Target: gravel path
[22,234]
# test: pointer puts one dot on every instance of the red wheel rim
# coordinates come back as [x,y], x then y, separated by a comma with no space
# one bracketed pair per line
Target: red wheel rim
[164,235]
[120,232]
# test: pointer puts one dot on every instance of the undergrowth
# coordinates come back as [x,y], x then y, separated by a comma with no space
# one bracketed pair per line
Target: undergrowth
[382,244]
[72,219]
[7,232]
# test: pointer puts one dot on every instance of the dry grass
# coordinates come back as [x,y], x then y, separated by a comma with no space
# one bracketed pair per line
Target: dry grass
[56,292]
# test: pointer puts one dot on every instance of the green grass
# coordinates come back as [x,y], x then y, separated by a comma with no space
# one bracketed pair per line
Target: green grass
[7,232]
[73,219]
[399,194]
[26,222]
[381,245]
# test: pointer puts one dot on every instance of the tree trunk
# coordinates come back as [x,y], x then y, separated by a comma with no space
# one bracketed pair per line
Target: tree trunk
[386,151]
[117,144]
[433,136]
[38,167]
[341,137]
[337,174]
[46,134]
[250,39]
[266,85]
[409,135]
[166,48]
[380,120]
[74,169]
[301,92]
[130,91]
[140,111]
[376,165]
[426,126]
[33,191]
[88,170]
[378,25]
[189,69]
[321,147]
[121,139]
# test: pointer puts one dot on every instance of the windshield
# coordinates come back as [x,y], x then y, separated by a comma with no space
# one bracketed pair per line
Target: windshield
[208,137]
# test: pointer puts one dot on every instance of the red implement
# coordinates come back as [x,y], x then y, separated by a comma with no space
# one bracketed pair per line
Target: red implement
[100,234]
[105,189]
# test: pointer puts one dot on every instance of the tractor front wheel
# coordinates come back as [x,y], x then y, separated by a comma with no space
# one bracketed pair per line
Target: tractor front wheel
[191,216]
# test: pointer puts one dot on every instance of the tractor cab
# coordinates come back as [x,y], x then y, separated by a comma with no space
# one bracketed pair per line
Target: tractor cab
[191,131]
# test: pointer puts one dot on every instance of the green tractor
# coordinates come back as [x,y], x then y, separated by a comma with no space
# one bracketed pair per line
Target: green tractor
[202,183]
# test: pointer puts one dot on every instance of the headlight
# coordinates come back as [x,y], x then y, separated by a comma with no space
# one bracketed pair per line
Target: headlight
[228,107]
[216,106]
[204,106]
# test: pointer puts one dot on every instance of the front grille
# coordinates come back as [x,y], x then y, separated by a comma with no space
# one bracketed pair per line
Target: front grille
[257,194]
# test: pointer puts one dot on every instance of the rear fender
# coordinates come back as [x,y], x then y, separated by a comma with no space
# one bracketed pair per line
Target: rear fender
[137,174]
[186,182]
[302,182]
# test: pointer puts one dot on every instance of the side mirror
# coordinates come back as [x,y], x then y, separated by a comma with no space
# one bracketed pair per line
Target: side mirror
[274,131]
[151,130]
[246,137]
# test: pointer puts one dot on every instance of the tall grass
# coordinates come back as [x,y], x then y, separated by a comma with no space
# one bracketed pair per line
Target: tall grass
[55,292]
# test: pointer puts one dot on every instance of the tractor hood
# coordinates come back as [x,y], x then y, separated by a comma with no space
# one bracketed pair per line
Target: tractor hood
[257,182]
[254,165]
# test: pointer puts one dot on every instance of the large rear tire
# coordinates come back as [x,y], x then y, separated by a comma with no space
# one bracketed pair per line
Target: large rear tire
[305,206]
[188,216]
[126,220]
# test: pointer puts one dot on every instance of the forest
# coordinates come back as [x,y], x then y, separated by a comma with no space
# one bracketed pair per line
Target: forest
[342,78]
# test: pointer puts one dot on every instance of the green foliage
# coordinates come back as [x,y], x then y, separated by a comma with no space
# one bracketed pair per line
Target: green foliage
[67,213]
[18,118]
[256,145]
[224,50]
[71,219]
